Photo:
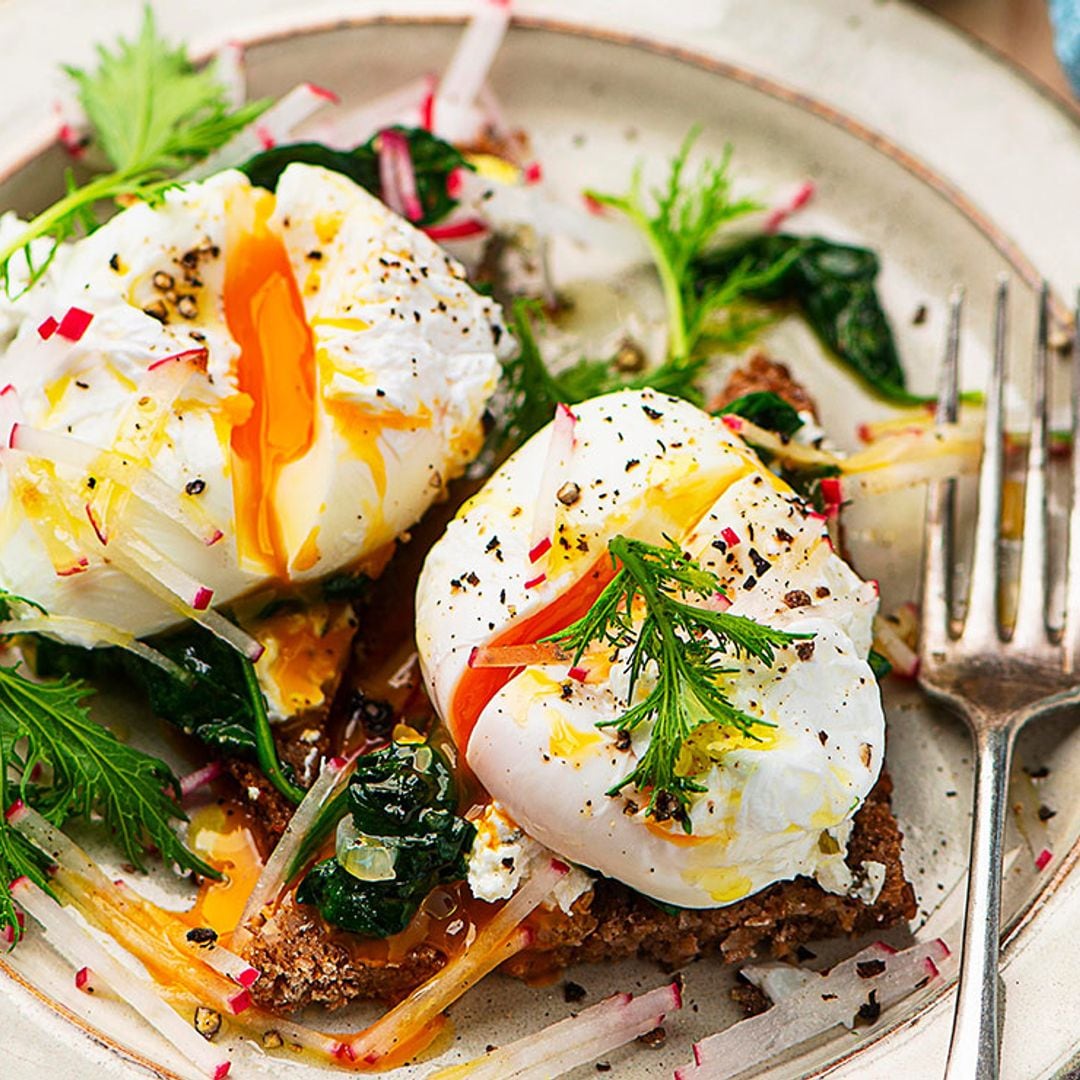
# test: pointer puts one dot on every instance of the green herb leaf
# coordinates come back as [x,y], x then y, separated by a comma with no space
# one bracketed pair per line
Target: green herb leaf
[152,114]
[683,646]
[879,665]
[767,410]
[403,802]
[679,221]
[88,770]
[219,701]
[682,222]
[433,161]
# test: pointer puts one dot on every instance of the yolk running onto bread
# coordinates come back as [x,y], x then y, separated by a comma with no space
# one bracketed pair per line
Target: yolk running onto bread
[276,370]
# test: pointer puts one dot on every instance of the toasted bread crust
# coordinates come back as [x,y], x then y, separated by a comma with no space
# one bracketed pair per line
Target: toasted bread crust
[304,961]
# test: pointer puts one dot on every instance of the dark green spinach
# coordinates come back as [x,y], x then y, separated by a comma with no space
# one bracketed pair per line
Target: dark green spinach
[403,801]
[433,162]
[767,410]
[834,287]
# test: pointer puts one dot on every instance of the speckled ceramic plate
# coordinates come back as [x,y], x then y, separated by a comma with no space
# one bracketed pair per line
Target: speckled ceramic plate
[596,99]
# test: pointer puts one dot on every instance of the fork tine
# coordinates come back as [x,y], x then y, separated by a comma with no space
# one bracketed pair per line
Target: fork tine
[1071,637]
[941,504]
[1031,620]
[981,622]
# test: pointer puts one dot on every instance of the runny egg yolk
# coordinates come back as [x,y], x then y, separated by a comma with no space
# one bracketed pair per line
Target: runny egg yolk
[276,370]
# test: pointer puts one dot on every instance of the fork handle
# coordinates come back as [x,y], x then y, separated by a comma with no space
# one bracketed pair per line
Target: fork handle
[973,1051]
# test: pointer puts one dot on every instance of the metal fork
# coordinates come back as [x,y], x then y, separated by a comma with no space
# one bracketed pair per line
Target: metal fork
[996,678]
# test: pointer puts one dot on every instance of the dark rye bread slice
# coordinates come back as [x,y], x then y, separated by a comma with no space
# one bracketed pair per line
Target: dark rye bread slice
[304,961]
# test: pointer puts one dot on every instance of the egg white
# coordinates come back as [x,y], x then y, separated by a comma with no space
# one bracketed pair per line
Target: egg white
[418,341]
[650,466]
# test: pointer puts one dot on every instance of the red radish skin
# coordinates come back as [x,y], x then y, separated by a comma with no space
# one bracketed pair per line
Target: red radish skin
[99,529]
[241,1002]
[9,933]
[578,674]
[74,324]
[47,328]
[1043,861]
[195,781]
[729,536]
[459,230]
[80,567]
[198,357]
[532,583]
[540,550]
[533,173]
[778,216]
[324,93]
[201,600]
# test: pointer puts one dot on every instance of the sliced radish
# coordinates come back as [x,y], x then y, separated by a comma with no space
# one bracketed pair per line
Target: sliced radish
[88,634]
[397,180]
[831,495]
[279,869]
[556,464]
[888,642]
[824,1002]
[77,945]
[512,656]
[427,103]
[799,198]
[200,778]
[11,413]
[456,115]
[9,931]
[404,105]
[146,566]
[74,324]
[462,229]
[153,494]
[61,526]
[563,1046]
[230,74]
[277,125]
[501,938]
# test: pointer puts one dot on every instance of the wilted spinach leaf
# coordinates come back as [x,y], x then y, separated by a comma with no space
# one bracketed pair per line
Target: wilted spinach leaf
[402,800]
[834,286]
[433,161]
[767,410]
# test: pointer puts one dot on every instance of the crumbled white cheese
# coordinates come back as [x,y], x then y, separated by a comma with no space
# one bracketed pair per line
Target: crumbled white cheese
[832,873]
[502,855]
[870,882]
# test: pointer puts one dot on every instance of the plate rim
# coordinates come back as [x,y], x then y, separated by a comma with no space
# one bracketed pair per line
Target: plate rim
[295,24]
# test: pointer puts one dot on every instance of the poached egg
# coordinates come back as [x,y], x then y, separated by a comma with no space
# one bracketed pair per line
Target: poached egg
[649,467]
[330,369]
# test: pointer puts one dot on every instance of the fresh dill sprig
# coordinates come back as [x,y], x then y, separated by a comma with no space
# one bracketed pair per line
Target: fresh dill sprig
[71,766]
[680,222]
[152,114]
[679,645]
